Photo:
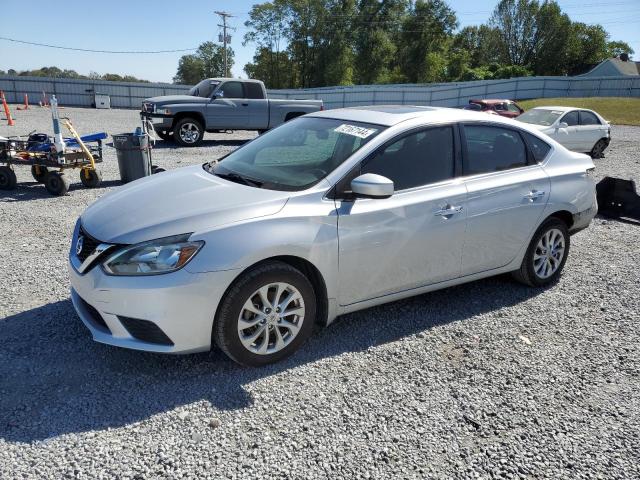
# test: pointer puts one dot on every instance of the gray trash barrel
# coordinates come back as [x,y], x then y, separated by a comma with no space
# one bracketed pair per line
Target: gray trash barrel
[133,156]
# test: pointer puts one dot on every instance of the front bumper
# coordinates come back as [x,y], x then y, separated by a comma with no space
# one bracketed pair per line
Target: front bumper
[181,305]
[160,122]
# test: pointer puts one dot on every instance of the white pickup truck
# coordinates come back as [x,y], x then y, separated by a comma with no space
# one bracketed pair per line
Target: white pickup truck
[219,104]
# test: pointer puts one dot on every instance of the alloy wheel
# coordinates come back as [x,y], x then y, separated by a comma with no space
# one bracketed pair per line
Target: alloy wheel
[549,253]
[189,133]
[271,318]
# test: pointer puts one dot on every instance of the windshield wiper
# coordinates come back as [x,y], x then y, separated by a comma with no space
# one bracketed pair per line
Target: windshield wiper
[236,177]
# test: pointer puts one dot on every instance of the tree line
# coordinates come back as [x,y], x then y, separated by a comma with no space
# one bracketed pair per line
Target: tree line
[315,43]
[59,73]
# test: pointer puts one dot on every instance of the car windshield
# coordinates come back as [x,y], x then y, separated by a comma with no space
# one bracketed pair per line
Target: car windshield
[204,89]
[295,155]
[540,116]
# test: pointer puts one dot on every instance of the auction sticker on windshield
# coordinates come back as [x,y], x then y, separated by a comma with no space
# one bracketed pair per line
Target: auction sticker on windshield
[355,131]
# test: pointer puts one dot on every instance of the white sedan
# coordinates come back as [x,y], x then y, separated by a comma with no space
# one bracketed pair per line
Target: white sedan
[577,129]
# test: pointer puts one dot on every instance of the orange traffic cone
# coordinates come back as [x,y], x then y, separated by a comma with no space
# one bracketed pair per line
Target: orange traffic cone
[7,113]
[26,103]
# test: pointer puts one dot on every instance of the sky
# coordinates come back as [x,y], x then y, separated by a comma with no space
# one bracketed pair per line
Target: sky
[166,25]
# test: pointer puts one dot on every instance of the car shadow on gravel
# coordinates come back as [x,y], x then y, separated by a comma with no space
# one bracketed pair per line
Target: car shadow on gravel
[27,191]
[161,144]
[55,380]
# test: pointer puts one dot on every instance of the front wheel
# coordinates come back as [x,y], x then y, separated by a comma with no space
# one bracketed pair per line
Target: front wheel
[266,315]
[188,132]
[90,178]
[56,183]
[8,180]
[546,255]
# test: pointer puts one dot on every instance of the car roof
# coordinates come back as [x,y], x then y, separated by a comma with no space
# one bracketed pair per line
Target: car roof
[560,109]
[490,101]
[389,115]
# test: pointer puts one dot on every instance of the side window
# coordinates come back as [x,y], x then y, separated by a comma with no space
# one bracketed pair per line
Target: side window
[490,149]
[588,118]
[416,159]
[571,118]
[512,108]
[254,90]
[231,90]
[539,148]
[500,107]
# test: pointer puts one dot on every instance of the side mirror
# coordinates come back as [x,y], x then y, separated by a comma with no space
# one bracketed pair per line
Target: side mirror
[563,125]
[371,185]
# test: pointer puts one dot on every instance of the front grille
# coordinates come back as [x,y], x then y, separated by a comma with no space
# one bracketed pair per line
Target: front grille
[145,331]
[95,317]
[89,244]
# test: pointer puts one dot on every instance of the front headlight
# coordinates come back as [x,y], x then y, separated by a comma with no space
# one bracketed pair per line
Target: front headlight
[155,257]
[163,111]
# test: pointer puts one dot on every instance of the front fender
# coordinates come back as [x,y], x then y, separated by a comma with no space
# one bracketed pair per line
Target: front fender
[307,230]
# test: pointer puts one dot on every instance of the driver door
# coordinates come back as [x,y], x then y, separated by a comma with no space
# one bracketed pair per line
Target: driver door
[413,238]
[228,109]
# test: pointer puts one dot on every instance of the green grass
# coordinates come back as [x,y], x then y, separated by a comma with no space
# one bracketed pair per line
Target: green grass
[618,110]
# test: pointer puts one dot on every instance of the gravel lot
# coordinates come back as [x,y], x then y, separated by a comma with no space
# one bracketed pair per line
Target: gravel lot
[486,379]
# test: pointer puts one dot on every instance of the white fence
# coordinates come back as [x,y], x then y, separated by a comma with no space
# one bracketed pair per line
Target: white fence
[130,95]
[80,92]
[458,94]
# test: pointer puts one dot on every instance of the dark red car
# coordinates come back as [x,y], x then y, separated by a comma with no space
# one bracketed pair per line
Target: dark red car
[505,108]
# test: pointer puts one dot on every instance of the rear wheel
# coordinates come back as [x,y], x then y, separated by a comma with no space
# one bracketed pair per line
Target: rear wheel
[39,172]
[8,180]
[598,149]
[90,178]
[266,315]
[56,183]
[546,255]
[188,132]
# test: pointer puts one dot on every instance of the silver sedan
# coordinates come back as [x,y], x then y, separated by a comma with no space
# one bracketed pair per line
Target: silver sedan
[330,213]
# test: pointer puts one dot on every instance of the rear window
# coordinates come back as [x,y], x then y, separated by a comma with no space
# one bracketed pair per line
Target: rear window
[254,90]
[539,148]
[588,118]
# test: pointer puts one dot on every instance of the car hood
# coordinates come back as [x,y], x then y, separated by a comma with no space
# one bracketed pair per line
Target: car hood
[180,201]
[539,127]
[174,99]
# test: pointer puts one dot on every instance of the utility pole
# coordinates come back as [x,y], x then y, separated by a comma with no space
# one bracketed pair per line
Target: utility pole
[224,16]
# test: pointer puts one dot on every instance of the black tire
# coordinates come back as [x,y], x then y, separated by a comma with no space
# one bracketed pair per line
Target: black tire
[225,328]
[527,273]
[94,178]
[39,177]
[291,116]
[8,180]
[164,135]
[598,149]
[156,169]
[56,183]
[260,132]
[192,125]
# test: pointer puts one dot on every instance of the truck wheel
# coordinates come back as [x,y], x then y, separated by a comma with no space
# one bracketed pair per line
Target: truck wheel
[56,183]
[39,177]
[90,178]
[8,179]
[188,132]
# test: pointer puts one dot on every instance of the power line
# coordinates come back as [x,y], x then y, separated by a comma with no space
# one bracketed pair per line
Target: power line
[60,47]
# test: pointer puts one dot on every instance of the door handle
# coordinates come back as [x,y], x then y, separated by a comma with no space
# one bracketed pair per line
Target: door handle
[532,195]
[448,211]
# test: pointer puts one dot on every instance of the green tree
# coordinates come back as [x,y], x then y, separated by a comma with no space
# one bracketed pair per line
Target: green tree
[552,32]
[516,23]
[206,62]
[423,39]
[617,48]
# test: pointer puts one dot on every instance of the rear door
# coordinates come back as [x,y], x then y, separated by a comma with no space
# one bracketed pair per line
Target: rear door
[413,238]
[569,137]
[507,193]
[229,110]
[258,106]
[589,131]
